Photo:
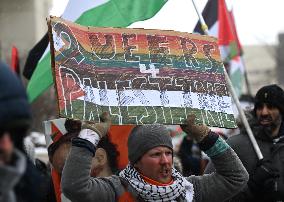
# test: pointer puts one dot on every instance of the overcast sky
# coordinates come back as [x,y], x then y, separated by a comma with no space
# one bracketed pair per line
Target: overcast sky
[257,21]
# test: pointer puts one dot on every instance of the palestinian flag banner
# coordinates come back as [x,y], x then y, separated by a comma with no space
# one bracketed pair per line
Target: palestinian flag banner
[139,76]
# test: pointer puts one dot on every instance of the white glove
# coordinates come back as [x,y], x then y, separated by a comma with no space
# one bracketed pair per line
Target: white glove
[90,135]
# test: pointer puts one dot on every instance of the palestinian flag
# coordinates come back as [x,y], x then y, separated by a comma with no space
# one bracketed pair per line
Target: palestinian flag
[34,56]
[54,130]
[221,24]
[100,13]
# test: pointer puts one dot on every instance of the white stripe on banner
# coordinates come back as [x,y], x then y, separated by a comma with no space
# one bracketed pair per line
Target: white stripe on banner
[107,97]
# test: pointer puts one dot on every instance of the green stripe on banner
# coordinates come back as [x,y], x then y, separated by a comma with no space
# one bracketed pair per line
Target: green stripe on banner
[115,13]
[139,115]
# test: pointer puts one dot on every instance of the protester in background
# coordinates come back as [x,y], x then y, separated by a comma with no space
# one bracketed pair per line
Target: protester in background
[58,150]
[57,153]
[19,178]
[190,155]
[266,181]
[104,163]
[12,167]
[177,163]
[150,175]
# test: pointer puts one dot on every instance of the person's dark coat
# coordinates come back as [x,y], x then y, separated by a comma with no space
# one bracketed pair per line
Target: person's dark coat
[270,149]
[15,119]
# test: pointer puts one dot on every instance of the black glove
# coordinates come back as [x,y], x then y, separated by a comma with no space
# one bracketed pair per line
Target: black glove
[263,180]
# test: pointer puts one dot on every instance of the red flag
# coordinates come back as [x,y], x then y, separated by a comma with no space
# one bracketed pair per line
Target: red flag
[233,27]
[226,36]
[15,63]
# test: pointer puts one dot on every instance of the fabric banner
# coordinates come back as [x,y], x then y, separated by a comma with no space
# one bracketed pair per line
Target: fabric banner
[139,76]
[53,130]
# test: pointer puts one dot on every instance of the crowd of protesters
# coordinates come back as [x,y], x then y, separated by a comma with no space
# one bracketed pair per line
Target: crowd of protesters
[86,159]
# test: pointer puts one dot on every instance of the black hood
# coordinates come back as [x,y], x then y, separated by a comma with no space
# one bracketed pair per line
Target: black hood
[14,106]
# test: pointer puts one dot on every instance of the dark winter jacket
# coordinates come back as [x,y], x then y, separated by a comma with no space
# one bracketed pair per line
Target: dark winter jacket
[33,185]
[10,176]
[271,149]
[190,156]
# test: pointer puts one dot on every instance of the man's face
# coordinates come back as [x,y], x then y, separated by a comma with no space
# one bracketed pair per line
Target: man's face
[6,148]
[156,164]
[268,116]
[99,163]
[60,155]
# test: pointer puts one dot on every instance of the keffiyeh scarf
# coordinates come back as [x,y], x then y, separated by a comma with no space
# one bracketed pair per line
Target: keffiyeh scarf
[148,192]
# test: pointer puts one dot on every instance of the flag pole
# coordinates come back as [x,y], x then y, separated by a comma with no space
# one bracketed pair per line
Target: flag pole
[204,27]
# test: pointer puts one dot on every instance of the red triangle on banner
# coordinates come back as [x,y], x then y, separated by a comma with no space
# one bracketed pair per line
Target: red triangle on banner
[55,132]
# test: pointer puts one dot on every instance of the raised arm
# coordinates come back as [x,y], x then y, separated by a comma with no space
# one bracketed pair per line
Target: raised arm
[230,175]
[77,184]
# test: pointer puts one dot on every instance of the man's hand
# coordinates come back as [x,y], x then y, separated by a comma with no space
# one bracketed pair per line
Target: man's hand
[198,132]
[100,128]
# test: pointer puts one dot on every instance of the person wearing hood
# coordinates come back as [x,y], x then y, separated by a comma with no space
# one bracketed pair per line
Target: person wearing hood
[15,119]
[20,179]
[150,175]
[266,176]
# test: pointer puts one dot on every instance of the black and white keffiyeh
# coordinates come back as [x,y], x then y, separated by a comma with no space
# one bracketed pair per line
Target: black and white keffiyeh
[179,187]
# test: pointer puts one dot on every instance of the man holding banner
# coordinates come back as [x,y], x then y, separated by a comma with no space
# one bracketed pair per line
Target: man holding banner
[143,77]
[150,175]
[266,175]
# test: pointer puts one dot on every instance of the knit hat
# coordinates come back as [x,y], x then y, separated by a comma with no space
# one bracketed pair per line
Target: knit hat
[14,107]
[145,137]
[270,94]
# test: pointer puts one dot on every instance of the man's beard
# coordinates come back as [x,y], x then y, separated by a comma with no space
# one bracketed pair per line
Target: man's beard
[269,128]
